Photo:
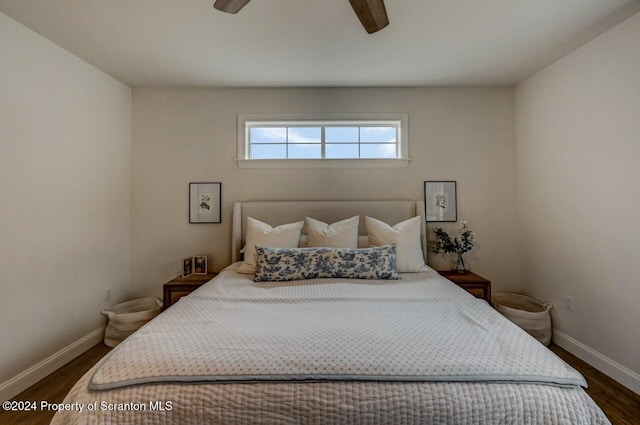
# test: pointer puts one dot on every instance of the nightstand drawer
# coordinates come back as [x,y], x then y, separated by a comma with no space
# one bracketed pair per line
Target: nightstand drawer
[476,285]
[477,292]
[175,295]
[178,287]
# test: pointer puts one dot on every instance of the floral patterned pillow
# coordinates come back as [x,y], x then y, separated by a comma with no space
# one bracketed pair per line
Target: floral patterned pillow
[284,264]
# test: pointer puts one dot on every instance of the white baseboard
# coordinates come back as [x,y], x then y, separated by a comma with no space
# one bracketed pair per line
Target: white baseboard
[27,378]
[614,370]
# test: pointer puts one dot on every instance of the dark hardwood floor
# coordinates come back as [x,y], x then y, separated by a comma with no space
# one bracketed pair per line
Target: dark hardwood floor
[621,405]
[53,388]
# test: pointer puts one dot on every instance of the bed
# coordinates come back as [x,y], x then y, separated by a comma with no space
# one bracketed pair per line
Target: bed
[413,350]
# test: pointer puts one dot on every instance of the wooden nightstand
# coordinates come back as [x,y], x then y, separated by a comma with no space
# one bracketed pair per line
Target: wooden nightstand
[476,285]
[179,287]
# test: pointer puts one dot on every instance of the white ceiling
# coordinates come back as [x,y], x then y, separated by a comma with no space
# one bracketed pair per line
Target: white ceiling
[289,43]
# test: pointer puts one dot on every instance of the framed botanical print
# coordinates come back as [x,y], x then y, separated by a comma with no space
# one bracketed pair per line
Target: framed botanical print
[440,201]
[205,202]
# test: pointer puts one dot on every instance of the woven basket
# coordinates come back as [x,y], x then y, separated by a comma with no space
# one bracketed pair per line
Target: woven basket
[127,317]
[526,312]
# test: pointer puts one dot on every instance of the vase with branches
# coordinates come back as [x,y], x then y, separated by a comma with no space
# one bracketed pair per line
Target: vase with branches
[457,245]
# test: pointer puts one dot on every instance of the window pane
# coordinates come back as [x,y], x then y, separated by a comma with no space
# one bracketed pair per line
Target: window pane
[318,139]
[378,134]
[268,135]
[386,150]
[269,151]
[341,135]
[305,151]
[341,151]
[304,134]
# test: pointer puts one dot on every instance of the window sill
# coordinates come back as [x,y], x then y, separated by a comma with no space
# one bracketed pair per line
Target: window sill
[322,163]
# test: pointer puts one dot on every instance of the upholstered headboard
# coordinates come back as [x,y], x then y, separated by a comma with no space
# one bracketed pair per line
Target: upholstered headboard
[276,213]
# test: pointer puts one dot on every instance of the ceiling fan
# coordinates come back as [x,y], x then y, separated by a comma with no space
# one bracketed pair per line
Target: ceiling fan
[372,13]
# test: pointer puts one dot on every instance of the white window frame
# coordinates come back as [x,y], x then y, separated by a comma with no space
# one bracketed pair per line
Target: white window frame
[245,121]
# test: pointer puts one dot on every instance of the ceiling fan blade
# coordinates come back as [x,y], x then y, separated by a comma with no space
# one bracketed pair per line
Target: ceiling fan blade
[230,6]
[372,14]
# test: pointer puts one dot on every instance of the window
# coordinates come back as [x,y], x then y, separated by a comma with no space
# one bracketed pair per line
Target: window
[308,142]
[323,140]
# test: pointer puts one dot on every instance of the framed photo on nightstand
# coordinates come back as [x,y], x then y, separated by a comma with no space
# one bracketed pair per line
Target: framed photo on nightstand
[187,266]
[200,264]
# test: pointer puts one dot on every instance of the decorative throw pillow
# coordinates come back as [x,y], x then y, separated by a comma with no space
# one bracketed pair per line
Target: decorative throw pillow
[406,237]
[342,234]
[259,233]
[284,264]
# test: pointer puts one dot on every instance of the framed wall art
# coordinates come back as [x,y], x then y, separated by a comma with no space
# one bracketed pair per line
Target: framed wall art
[205,202]
[440,201]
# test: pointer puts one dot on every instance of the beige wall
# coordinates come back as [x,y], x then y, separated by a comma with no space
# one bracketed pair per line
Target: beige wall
[83,206]
[578,145]
[65,143]
[182,136]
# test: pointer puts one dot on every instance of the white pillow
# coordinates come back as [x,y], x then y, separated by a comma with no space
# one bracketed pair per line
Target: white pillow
[342,234]
[406,237]
[259,233]
[363,241]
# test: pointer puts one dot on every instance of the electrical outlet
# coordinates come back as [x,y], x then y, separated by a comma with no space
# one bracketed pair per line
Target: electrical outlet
[568,303]
[107,294]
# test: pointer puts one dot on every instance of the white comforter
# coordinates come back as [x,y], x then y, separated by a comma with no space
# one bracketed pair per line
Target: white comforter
[434,354]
